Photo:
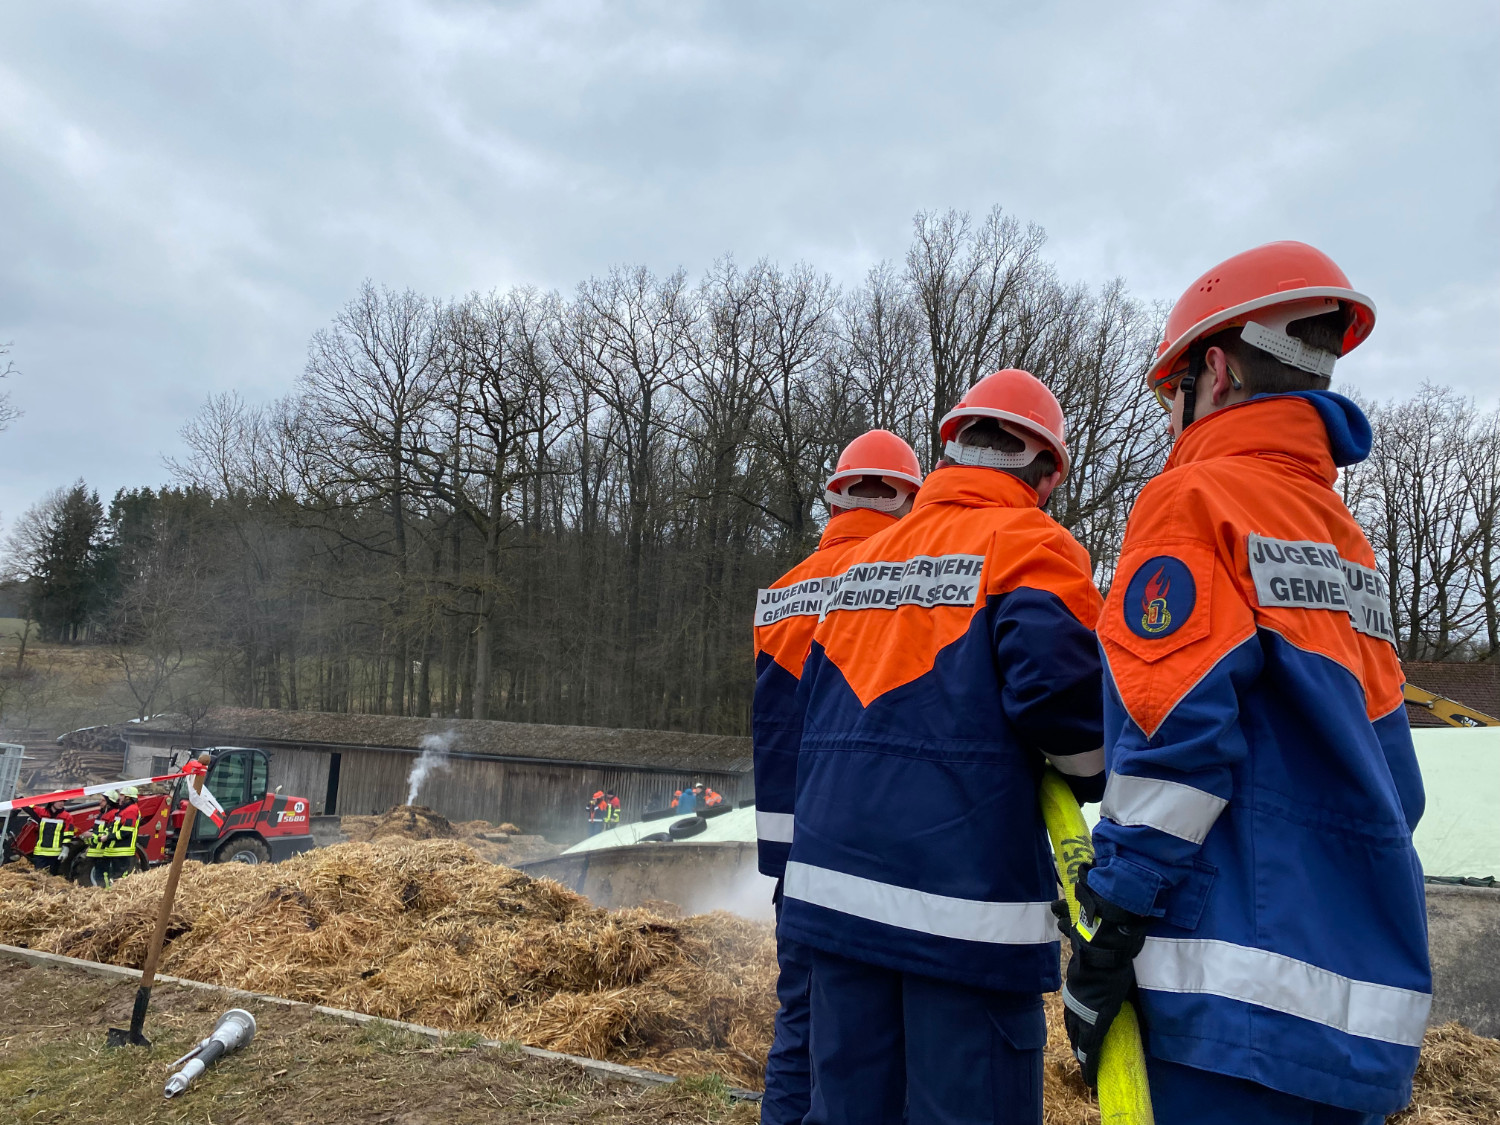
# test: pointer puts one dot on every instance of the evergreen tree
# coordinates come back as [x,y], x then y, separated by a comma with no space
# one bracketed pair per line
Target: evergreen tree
[66,585]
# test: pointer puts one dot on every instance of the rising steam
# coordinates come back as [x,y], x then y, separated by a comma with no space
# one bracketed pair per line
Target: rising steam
[434,757]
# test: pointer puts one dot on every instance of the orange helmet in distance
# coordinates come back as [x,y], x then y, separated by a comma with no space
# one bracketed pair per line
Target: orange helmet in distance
[878,453]
[1024,407]
[1260,292]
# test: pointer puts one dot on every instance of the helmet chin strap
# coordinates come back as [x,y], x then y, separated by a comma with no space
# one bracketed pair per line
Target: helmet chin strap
[1187,386]
[874,503]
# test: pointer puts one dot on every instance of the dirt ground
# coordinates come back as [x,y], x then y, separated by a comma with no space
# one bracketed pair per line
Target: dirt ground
[301,1069]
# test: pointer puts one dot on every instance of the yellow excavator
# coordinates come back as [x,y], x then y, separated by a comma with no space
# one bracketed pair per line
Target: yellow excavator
[1452,712]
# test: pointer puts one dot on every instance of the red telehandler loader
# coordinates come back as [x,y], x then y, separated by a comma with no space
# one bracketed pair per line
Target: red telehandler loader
[260,824]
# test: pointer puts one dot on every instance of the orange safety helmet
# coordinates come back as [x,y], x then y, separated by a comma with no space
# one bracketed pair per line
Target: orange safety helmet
[1023,405]
[1262,291]
[878,453]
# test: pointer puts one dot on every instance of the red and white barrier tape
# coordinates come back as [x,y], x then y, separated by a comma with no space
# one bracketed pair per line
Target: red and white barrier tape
[86,791]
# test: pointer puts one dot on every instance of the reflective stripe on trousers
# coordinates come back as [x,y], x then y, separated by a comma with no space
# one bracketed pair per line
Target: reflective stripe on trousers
[1168,806]
[995,923]
[1284,984]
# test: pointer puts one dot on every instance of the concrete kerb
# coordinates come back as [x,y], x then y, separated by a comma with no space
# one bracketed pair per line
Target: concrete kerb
[598,1067]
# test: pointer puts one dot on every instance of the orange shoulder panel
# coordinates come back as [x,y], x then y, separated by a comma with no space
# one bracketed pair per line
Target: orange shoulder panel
[879,650]
[1034,551]
[1227,525]
[789,639]
[1173,609]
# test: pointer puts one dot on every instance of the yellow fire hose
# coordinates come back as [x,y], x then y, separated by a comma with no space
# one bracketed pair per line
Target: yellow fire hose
[1124,1095]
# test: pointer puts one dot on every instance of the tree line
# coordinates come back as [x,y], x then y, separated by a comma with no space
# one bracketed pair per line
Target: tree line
[556,508]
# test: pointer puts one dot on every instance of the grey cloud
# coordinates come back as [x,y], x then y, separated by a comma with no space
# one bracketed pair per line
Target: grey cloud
[190,190]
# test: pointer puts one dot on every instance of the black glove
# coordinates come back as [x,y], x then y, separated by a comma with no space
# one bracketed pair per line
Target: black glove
[1101,972]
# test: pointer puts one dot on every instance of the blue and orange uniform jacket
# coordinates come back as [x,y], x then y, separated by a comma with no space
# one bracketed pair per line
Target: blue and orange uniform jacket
[956,656]
[1262,785]
[786,613]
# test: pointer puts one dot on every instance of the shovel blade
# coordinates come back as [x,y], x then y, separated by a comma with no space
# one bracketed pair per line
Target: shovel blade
[122,1037]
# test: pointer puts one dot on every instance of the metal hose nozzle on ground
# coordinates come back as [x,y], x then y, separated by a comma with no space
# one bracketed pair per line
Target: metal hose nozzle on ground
[234,1030]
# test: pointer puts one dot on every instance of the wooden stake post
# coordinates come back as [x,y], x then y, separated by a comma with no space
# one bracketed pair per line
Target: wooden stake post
[119,1037]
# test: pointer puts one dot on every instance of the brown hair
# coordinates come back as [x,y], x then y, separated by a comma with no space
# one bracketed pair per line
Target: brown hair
[1262,373]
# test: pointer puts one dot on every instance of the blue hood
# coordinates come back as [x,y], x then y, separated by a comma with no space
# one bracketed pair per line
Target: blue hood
[1348,428]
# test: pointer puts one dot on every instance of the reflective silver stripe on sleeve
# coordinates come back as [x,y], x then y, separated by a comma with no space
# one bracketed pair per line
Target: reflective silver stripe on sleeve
[1168,806]
[775,827]
[804,599]
[1284,984]
[1306,574]
[923,580]
[996,923]
[1087,764]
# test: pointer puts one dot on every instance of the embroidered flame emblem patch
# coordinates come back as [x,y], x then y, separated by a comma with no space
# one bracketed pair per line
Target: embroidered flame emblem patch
[1157,618]
[1160,598]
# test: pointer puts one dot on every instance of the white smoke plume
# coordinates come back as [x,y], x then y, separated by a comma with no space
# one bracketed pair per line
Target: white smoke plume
[433,758]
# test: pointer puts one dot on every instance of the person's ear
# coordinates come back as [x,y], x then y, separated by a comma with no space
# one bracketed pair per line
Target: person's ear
[1216,365]
[1045,486]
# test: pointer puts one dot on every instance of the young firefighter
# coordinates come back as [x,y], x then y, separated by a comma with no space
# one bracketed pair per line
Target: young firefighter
[598,812]
[1255,876]
[955,656]
[119,845]
[871,488]
[54,833]
[99,836]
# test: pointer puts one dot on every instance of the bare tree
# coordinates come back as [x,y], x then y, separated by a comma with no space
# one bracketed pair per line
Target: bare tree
[966,279]
[555,509]
[804,424]
[369,382]
[885,356]
[1479,466]
[8,412]
[1420,522]
[1117,436]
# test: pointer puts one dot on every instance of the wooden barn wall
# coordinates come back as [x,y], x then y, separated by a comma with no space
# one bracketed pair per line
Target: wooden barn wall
[371,781]
[300,773]
[547,798]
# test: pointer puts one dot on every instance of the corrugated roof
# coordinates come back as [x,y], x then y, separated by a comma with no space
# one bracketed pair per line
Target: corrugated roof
[602,745]
[1474,685]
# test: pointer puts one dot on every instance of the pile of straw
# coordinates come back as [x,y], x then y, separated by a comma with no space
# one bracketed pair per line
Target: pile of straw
[407,822]
[502,843]
[426,931]
[1458,1080]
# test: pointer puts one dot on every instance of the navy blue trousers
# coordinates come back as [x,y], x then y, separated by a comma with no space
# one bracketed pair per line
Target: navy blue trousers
[889,1047]
[1185,1095]
[788,1068]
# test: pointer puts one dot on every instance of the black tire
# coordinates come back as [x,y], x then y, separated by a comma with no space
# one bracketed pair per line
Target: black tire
[243,849]
[747,804]
[658,814]
[716,810]
[89,871]
[687,827]
[656,838]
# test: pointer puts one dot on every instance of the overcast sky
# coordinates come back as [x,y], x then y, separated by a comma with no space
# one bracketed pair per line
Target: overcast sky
[189,190]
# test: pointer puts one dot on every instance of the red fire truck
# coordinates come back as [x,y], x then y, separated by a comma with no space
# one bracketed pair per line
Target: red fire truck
[260,824]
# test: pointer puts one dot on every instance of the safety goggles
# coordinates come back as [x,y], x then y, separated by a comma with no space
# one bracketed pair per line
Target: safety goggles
[1165,388]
